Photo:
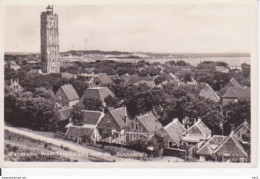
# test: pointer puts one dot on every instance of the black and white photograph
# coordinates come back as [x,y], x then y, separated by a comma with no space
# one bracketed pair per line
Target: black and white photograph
[158,83]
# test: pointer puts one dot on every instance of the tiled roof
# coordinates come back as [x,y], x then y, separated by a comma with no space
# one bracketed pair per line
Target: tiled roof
[91,117]
[235,83]
[150,122]
[197,132]
[231,147]
[70,92]
[105,79]
[132,79]
[79,131]
[208,147]
[64,114]
[209,93]
[97,92]
[119,114]
[67,75]
[244,124]
[175,130]
[236,92]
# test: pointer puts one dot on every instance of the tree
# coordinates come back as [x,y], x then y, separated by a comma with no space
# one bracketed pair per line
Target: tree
[160,79]
[93,104]
[80,86]
[245,69]
[77,114]
[236,113]
[112,102]
[181,63]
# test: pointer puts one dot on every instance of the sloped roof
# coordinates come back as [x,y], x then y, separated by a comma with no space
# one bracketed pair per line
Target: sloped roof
[119,114]
[201,126]
[67,75]
[208,147]
[175,130]
[91,117]
[197,132]
[64,114]
[132,79]
[70,92]
[105,79]
[209,93]
[79,131]
[235,83]
[244,124]
[231,147]
[97,92]
[150,122]
[237,92]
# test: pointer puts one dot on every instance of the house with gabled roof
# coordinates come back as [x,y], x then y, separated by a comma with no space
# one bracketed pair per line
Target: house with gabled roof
[206,151]
[197,133]
[208,93]
[87,127]
[130,79]
[175,131]
[231,150]
[101,80]
[66,96]
[232,83]
[142,127]
[233,94]
[112,126]
[243,132]
[99,93]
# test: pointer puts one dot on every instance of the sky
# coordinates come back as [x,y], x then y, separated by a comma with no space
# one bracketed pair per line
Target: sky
[182,28]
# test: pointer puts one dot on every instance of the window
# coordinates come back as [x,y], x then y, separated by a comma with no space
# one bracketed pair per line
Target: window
[136,126]
[97,83]
[170,144]
[108,122]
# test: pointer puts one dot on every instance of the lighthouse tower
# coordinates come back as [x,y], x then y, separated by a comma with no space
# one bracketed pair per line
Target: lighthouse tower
[49,42]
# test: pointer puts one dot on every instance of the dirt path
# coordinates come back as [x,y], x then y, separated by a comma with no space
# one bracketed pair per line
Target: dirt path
[82,150]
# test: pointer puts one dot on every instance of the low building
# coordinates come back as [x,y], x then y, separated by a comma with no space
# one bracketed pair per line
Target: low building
[234,94]
[231,150]
[112,126]
[243,132]
[207,150]
[208,93]
[175,131]
[85,130]
[142,127]
[101,81]
[197,133]
[232,83]
[99,93]
[66,96]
